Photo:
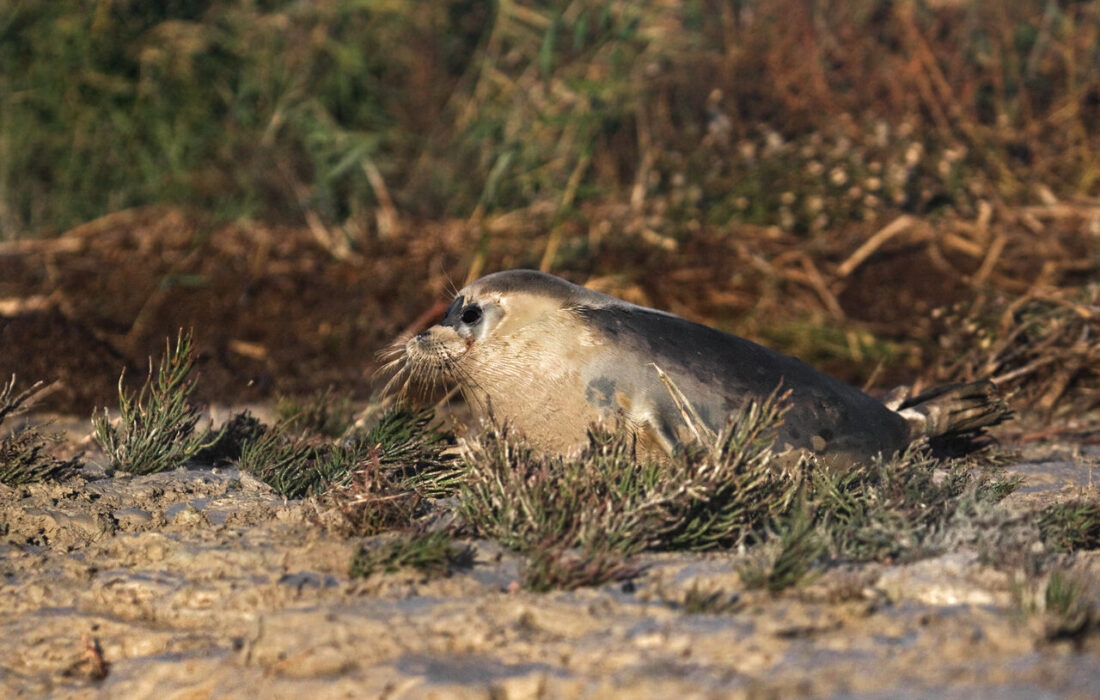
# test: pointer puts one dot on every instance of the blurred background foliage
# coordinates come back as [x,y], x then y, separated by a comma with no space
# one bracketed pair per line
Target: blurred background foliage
[798,113]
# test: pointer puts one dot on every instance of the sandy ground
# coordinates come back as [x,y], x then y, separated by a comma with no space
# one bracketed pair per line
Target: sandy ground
[205,584]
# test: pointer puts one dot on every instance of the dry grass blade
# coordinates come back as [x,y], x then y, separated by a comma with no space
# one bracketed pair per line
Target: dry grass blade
[703,434]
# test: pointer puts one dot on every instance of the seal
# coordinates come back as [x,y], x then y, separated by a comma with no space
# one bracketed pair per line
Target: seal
[552,358]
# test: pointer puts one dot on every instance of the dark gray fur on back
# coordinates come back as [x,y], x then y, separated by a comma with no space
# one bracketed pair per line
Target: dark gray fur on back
[719,372]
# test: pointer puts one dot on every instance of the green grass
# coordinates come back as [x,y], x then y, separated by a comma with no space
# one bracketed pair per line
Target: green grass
[156,427]
[235,107]
[332,108]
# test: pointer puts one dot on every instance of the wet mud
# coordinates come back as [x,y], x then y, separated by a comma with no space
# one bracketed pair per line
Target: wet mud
[205,583]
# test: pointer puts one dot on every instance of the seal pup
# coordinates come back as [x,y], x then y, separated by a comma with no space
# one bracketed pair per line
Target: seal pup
[552,358]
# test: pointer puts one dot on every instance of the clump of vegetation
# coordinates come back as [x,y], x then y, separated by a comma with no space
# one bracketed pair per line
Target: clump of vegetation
[792,560]
[551,566]
[608,506]
[407,442]
[23,457]
[376,499]
[1071,612]
[1071,526]
[1043,346]
[24,460]
[372,474]
[701,500]
[156,427]
[297,466]
[890,510]
[729,483]
[523,498]
[434,554]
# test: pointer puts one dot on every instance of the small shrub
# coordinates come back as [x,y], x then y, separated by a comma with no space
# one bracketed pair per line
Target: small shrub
[405,439]
[899,508]
[156,428]
[734,486]
[376,499]
[23,459]
[297,466]
[525,499]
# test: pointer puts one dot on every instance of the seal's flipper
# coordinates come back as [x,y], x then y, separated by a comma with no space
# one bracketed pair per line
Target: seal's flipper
[953,412]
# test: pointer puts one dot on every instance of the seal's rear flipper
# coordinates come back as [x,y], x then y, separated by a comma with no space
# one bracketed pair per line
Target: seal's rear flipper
[954,416]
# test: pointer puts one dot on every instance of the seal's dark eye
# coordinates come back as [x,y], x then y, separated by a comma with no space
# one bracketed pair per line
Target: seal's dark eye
[471,314]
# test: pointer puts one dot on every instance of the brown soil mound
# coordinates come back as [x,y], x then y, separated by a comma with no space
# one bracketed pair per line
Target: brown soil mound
[292,310]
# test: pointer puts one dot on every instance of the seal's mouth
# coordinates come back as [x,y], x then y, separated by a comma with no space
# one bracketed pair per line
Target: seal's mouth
[422,365]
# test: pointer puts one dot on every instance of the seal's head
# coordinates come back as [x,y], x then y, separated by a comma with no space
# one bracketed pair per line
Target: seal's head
[499,333]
